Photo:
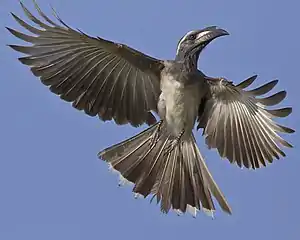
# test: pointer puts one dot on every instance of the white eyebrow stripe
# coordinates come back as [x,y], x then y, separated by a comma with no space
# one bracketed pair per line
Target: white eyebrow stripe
[199,35]
[182,40]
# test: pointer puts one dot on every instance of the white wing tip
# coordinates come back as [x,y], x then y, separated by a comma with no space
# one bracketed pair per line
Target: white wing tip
[178,212]
[192,210]
[122,181]
[138,195]
[209,212]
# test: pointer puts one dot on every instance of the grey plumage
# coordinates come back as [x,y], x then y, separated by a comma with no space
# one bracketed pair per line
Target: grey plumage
[98,76]
[238,124]
[179,179]
[119,83]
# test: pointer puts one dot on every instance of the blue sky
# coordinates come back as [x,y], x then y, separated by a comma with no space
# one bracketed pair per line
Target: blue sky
[54,187]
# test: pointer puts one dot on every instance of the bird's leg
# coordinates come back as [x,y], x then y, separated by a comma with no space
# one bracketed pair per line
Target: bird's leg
[174,143]
[155,136]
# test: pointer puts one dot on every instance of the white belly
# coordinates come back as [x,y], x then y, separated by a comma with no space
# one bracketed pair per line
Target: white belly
[178,105]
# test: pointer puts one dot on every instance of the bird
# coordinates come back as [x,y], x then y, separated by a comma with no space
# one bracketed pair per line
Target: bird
[173,98]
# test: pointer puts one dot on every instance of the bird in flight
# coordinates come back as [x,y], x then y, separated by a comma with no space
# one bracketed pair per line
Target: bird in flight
[116,82]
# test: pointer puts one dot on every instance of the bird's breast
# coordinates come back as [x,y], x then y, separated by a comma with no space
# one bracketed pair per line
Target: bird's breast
[178,104]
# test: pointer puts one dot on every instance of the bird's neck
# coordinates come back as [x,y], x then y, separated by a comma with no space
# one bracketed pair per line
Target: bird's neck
[190,61]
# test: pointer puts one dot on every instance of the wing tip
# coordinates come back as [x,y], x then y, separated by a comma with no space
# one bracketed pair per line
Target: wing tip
[246,83]
[275,81]
[13,46]
[14,16]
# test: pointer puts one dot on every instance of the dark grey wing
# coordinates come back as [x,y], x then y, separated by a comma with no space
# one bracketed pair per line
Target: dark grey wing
[102,78]
[240,125]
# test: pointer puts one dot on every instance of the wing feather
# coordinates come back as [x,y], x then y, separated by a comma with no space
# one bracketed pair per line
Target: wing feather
[239,125]
[98,76]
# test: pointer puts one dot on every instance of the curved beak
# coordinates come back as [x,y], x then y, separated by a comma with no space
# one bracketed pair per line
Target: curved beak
[210,33]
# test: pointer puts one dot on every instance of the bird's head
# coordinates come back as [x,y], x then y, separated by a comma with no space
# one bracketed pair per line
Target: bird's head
[192,43]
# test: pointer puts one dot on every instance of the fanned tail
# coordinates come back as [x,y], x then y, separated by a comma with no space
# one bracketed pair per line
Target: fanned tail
[179,178]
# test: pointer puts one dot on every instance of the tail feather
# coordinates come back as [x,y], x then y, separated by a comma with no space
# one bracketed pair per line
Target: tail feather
[201,190]
[149,177]
[178,179]
[213,187]
[127,156]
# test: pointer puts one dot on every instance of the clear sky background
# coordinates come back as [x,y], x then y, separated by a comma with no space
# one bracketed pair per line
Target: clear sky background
[52,186]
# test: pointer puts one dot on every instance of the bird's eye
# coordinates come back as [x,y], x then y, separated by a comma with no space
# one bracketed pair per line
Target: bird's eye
[192,37]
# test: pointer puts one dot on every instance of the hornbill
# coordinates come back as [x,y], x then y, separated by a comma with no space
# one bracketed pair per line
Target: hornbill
[115,82]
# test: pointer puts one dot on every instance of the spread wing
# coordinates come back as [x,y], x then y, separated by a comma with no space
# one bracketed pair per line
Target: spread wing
[101,77]
[239,124]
